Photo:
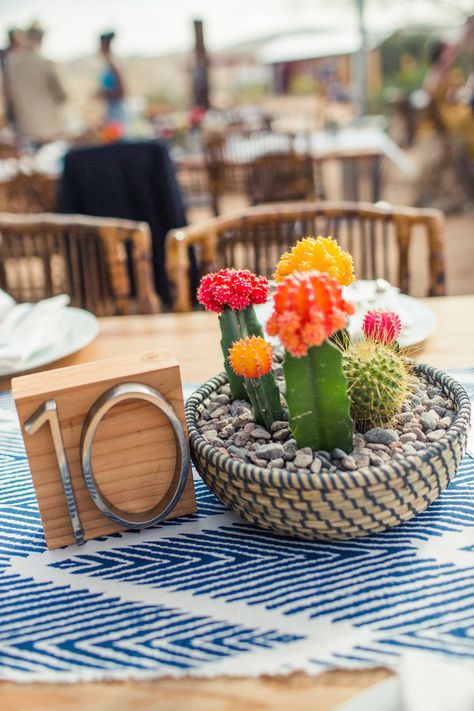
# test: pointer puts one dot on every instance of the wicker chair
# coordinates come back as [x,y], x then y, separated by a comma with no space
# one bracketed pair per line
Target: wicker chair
[279,177]
[103,264]
[28,192]
[229,155]
[378,237]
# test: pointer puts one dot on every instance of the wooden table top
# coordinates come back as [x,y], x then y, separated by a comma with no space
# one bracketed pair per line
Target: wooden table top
[193,339]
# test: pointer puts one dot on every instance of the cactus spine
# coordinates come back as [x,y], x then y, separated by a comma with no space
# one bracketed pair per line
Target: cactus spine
[378,379]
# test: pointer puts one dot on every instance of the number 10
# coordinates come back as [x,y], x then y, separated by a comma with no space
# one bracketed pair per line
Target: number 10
[48,413]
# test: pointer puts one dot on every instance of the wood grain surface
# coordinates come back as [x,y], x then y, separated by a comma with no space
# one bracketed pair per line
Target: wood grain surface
[133,437]
[192,338]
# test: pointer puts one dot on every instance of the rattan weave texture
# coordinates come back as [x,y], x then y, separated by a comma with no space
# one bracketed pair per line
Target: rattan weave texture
[338,505]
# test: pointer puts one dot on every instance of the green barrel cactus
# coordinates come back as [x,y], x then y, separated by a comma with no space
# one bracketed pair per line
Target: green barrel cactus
[378,382]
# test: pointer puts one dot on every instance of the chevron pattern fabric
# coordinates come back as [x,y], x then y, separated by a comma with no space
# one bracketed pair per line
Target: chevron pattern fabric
[209,594]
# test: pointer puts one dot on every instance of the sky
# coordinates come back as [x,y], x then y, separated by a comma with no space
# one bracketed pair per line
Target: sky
[152,27]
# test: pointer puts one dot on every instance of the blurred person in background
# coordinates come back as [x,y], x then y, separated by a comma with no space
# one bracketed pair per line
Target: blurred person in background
[14,41]
[444,82]
[112,91]
[35,91]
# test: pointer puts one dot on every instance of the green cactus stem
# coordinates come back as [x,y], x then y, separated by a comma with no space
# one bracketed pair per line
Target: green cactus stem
[316,393]
[378,381]
[264,396]
[235,325]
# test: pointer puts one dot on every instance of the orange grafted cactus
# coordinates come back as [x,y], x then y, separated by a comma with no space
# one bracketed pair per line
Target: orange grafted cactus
[308,308]
[251,357]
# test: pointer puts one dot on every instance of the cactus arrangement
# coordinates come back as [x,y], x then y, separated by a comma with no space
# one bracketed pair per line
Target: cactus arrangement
[332,384]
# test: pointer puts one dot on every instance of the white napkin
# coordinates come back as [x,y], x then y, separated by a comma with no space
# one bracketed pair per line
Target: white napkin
[431,683]
[424,683]
[26,329]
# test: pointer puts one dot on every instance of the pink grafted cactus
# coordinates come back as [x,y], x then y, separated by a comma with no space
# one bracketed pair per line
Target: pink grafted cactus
[381,326]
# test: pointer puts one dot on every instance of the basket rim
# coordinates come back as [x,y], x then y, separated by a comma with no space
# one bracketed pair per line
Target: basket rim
[363,477]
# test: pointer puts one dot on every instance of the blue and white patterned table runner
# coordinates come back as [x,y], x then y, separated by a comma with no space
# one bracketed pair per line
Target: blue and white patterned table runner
[208,594]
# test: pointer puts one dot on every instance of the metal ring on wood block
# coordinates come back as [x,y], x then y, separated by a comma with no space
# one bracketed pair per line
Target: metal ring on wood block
[114,396]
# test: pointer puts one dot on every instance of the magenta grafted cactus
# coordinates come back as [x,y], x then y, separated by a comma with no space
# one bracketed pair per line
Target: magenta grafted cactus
[381,326]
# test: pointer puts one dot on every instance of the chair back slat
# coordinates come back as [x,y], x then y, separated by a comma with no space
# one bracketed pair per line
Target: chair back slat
[103,265]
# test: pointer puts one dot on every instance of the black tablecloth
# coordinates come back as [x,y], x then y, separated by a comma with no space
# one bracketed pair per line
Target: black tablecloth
[134,180]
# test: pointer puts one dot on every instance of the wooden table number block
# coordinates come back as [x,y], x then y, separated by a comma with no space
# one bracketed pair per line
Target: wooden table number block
[107,445]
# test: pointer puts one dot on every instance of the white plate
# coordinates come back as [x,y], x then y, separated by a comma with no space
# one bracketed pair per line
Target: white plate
[418,321]
[381,697]
[79,328]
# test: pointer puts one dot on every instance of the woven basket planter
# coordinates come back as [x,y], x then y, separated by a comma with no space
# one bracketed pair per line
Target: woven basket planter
[338,505]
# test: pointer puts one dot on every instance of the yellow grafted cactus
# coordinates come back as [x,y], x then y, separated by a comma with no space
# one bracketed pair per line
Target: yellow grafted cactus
[322,254]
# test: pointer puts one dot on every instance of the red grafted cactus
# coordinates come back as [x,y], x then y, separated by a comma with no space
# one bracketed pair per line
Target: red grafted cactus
[232,293]
[234,288]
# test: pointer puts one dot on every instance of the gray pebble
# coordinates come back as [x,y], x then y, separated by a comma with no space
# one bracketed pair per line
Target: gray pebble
[240,439]
[211,435]
[244,418]
[376,447]
[277,463]
[429,420]
[441,411]
[376,460]
[338,453]
[226,432]
[237,407]
[348,462]
[409,449]
[222,399]
[256,460]
[404,417]
[435,435]
[260,433]
[221,410]
[420,435]
[362,460]
[239,452]
[378,435]
[289,449]
[289,466]
[445,422]
[279,425]
[408,437]
[316,466]
[304,457]
[270,451]
[439,401]
[281,435]
[324,455]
